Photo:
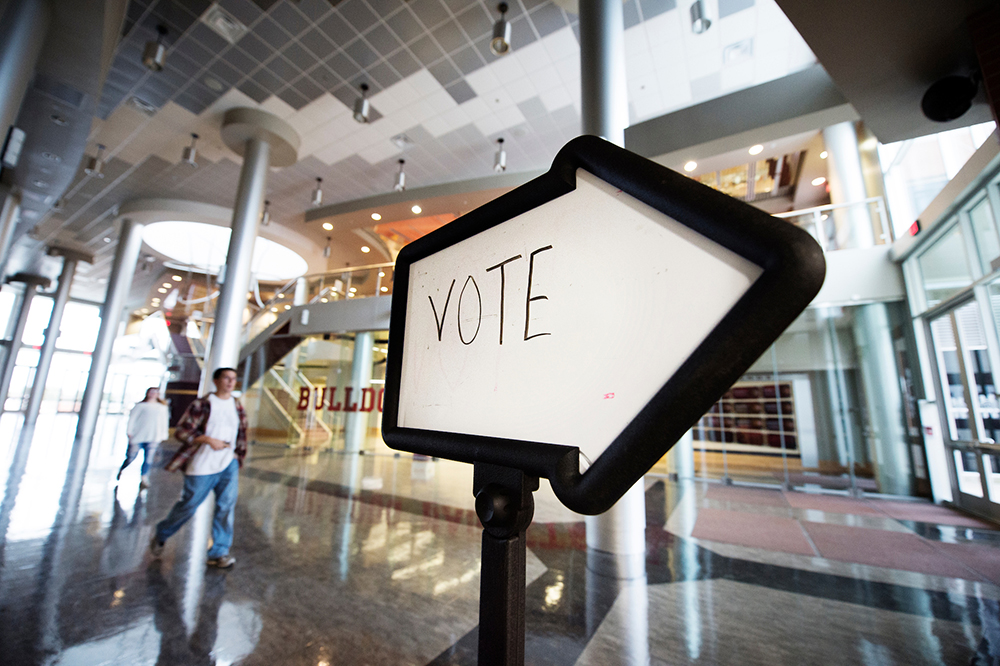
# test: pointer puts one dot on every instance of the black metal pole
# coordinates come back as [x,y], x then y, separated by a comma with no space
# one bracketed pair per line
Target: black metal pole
[505,506]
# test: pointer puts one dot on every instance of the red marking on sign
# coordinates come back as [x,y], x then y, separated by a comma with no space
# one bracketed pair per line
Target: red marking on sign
[928,430]
[609,396]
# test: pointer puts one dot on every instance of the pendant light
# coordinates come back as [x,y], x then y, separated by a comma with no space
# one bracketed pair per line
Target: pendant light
[500,44]
[500,159]
[361,105]
[95,163]
[699,17]
[190,154]
[400,178]
[155,55]
[317,198]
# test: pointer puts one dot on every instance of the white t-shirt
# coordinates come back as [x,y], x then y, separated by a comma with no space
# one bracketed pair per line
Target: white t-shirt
[147,423]
[223,423]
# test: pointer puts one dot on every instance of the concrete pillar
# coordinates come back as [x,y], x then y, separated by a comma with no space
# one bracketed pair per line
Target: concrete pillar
[10,214]
[887,434]
[853,226]
[31,285]
[23,26]
[70,260]
[356,423]
[119,285]
[616,540]
[264,140]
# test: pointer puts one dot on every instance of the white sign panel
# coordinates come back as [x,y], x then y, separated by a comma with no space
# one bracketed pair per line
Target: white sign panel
[559,325]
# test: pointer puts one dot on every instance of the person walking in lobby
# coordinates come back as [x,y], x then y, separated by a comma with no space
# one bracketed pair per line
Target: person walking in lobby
[213,436]
[147,427]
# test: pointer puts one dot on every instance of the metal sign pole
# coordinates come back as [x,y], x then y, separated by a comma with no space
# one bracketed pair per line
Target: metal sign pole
[505,506]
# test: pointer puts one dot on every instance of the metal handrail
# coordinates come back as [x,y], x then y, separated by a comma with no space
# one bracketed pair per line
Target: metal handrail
[826,207]
[312,390]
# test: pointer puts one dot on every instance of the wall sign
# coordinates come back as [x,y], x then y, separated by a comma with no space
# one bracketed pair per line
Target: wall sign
[576,327]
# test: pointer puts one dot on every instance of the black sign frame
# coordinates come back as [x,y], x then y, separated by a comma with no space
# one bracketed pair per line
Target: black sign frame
[793,271]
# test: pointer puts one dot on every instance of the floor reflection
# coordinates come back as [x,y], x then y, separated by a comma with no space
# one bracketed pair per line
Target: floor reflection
[348,559]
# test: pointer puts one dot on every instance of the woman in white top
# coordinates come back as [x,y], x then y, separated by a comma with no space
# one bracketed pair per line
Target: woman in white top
[147,427]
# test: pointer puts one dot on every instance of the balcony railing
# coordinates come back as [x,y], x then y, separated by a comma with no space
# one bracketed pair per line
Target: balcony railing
[845,226]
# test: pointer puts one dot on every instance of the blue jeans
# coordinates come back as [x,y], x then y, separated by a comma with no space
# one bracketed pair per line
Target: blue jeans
[148,449]
[226,486]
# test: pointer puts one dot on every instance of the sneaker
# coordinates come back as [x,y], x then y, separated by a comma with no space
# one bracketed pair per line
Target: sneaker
[223,562]
[155,547]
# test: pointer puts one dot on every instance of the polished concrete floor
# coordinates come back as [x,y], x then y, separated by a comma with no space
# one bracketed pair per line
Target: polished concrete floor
[345,559]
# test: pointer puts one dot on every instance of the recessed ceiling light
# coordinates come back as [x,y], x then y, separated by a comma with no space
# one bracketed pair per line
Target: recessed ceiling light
[385,289]
[107,239]
[818,181]
[274,309]
[756,150]
[162,290]
[214,84]
[691,166]
[351,295]
[324,300]
[417,210]
[824,155]
[280,295]
[288,307]
[177,278]
[381,273]
[365,249]
[353,289]
[328,226]
[167,285]
[376,217]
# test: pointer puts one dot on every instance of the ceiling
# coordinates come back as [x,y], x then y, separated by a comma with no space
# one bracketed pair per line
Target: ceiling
[439,98]
[432,79]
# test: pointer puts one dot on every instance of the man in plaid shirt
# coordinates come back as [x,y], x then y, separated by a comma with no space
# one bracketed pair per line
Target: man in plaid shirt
[213,433]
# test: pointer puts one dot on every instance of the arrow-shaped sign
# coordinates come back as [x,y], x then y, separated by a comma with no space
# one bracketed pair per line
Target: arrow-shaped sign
[602,307]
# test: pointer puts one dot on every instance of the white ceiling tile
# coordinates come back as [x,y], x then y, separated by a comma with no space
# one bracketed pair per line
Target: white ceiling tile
[437,126]
[395,97]
[490,125]
[421,110]
[676,97]
[441,101]
[332,153]
[635,40]
[321,109]
[476,108]
[770,66]
[507,70]
[545,77]
[663,28]
[532,56]
[498,99]
[647,104]
[483,80]
[562,43]
[737,27]
[569,70]
[377,152]
[277,106]
[737,77]
[520,90]
[708,63]
[556,98]
[456,117]
[405,119]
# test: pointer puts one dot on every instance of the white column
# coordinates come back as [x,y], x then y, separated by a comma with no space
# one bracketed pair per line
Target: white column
[853,226]
[356,423]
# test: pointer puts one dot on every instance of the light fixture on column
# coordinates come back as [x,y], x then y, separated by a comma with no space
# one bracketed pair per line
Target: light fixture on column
[265,217]
[400,178]
[500,44]
[500,159]
[95,163]
[318,193]
[155,55]
[190,154]
[361,105]
[326,250]
[699,17]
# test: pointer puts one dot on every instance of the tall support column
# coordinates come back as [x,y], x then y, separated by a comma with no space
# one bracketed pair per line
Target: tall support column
[616,539]
[264,140]
[70,259]
[356,422]
[31,285]
[853,226]
[22,32]
[119,284]
[10,213]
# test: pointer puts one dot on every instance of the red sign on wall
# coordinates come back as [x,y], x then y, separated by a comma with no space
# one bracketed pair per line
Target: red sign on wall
[326,398]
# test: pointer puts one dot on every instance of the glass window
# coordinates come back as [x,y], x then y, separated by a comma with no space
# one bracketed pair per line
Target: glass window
[984,230]
[944,267]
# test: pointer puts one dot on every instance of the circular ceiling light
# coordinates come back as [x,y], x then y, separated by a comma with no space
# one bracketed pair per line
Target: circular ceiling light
[177,278]
[818,181]
[756,150]
[365,249]
[824,155]
[328,226]
[691,166]
[417,210]
[204,247]
[376,217]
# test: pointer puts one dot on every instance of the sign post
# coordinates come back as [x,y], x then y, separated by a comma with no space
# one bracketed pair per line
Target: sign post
[574,329]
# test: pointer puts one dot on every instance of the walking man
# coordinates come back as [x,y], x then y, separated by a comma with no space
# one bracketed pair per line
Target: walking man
[213,434]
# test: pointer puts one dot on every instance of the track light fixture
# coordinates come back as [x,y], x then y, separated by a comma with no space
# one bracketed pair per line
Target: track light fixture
[400,178]
[699,17]
[949,98]
[361,105]
[326,250]
[190,154]
[95,163]
[500,159]
[500,44]
[265,216]
[318,193]
[155,55]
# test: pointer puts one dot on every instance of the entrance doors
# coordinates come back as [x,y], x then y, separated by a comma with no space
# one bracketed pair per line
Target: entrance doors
[969,407]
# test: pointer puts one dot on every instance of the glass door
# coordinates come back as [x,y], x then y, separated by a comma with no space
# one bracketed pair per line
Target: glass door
[968,406]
